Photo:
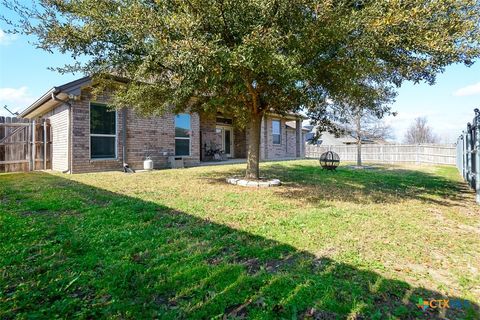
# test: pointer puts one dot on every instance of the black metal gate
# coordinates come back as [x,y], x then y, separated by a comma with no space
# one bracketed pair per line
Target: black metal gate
[468,154]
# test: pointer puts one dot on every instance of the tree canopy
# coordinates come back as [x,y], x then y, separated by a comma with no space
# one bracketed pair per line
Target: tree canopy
[249,57]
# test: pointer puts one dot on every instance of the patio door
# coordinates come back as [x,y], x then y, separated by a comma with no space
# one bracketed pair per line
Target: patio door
[226,133]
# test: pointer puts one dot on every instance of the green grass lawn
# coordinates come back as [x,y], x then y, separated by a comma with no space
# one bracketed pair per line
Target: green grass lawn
[357,244]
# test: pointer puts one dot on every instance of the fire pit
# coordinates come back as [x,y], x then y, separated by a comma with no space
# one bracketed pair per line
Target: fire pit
[329,160]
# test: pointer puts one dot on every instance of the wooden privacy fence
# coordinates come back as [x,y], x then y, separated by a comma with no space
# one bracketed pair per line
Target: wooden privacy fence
[389,153]
[25,145]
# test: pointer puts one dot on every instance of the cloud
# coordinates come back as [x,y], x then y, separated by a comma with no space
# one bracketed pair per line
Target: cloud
[16,99]
[5,38]
[470,90]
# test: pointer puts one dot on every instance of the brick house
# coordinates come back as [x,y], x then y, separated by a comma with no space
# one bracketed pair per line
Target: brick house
[87,137]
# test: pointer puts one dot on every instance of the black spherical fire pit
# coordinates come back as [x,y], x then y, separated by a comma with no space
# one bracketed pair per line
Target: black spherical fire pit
[329,160]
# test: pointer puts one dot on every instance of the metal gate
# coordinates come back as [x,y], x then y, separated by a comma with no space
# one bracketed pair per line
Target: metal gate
[25,145]
[468,154]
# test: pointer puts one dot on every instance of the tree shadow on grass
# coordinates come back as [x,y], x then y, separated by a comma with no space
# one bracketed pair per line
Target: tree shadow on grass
[123,257]
[381,184]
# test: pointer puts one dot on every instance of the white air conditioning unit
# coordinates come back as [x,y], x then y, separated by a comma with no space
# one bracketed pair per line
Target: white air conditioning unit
[176,162]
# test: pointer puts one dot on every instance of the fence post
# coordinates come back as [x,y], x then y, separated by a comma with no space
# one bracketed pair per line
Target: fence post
[28,143]
[3,133]
[34,145]
[468,154]
[471,148]
[465,158]
[44,144]
[460,156]
[417,151]
[477,153]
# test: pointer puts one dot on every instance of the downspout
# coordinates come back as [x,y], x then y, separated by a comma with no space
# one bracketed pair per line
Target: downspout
[124,137]
[69,129]
[126,167]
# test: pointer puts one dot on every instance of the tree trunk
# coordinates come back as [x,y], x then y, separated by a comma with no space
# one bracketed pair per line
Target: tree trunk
[359,152]
[253,159]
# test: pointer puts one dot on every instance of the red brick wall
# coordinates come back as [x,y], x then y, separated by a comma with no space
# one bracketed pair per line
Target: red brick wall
[208,124]
[291,142]
[152,135]
[239,143]
[271,150]
[208,133]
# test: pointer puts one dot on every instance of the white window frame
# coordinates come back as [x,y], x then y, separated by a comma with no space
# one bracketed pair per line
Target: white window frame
[101,135]
[279,133]
[222,129]
[183,138]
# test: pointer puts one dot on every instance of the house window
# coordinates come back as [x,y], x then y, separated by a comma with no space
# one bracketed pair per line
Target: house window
[183,133]
[103,128]
[276,132]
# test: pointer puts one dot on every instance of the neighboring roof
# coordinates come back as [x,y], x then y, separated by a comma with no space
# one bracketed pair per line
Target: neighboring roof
[293,125]
[381,141]
[297,115]
[309,127]
[330,139]
[67,89]
[289,115]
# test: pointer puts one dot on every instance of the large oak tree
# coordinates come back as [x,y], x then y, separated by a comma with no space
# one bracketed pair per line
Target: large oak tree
[251,57]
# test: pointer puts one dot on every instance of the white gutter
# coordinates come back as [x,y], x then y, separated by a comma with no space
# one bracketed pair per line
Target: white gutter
[47,96]
[69,129]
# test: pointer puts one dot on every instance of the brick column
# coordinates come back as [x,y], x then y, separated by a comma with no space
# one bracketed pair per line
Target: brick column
[265,135]
[298,137]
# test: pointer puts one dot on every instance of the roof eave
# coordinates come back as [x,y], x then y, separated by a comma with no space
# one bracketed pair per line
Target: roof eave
[73,87]
[43,99]
[289,116]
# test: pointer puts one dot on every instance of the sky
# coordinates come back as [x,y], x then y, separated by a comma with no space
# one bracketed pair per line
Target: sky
[448,105]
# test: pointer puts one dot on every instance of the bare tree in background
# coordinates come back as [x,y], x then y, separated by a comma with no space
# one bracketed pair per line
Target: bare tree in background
[364,124]
[420,132]
[360,114]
